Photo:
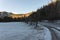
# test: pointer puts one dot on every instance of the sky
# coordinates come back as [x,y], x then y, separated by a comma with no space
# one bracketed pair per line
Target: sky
[22,6]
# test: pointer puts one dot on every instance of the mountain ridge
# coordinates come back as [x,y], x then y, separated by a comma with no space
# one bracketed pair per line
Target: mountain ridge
[12,15]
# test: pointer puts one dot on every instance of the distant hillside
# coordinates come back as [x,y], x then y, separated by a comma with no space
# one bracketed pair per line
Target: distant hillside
[20,15]
[12,15]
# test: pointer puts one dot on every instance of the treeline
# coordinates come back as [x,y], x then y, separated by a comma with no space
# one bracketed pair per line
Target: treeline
[10,19]
[48,12]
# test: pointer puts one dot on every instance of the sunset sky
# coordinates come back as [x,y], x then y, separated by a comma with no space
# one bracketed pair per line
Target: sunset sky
[21,6]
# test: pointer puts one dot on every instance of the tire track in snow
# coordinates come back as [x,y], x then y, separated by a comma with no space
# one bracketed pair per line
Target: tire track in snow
[54,36]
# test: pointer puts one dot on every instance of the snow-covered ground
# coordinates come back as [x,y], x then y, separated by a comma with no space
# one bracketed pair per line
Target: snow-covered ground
[22,31]
[53,27]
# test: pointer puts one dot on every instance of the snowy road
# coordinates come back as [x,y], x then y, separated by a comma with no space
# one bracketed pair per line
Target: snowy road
[54,29]
[22,31]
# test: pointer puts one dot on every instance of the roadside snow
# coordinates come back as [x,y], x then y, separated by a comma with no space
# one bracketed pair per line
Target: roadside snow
[21,31]
[55,27]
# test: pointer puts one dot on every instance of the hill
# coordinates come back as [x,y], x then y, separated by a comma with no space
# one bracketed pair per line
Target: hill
[12,15]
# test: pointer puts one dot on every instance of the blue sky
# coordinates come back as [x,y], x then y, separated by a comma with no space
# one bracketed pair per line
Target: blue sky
[21,6]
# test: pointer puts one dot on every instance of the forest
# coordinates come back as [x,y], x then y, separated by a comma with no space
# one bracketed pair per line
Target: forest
[48,12]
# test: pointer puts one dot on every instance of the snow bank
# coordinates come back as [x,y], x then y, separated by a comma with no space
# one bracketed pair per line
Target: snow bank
[47,34]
